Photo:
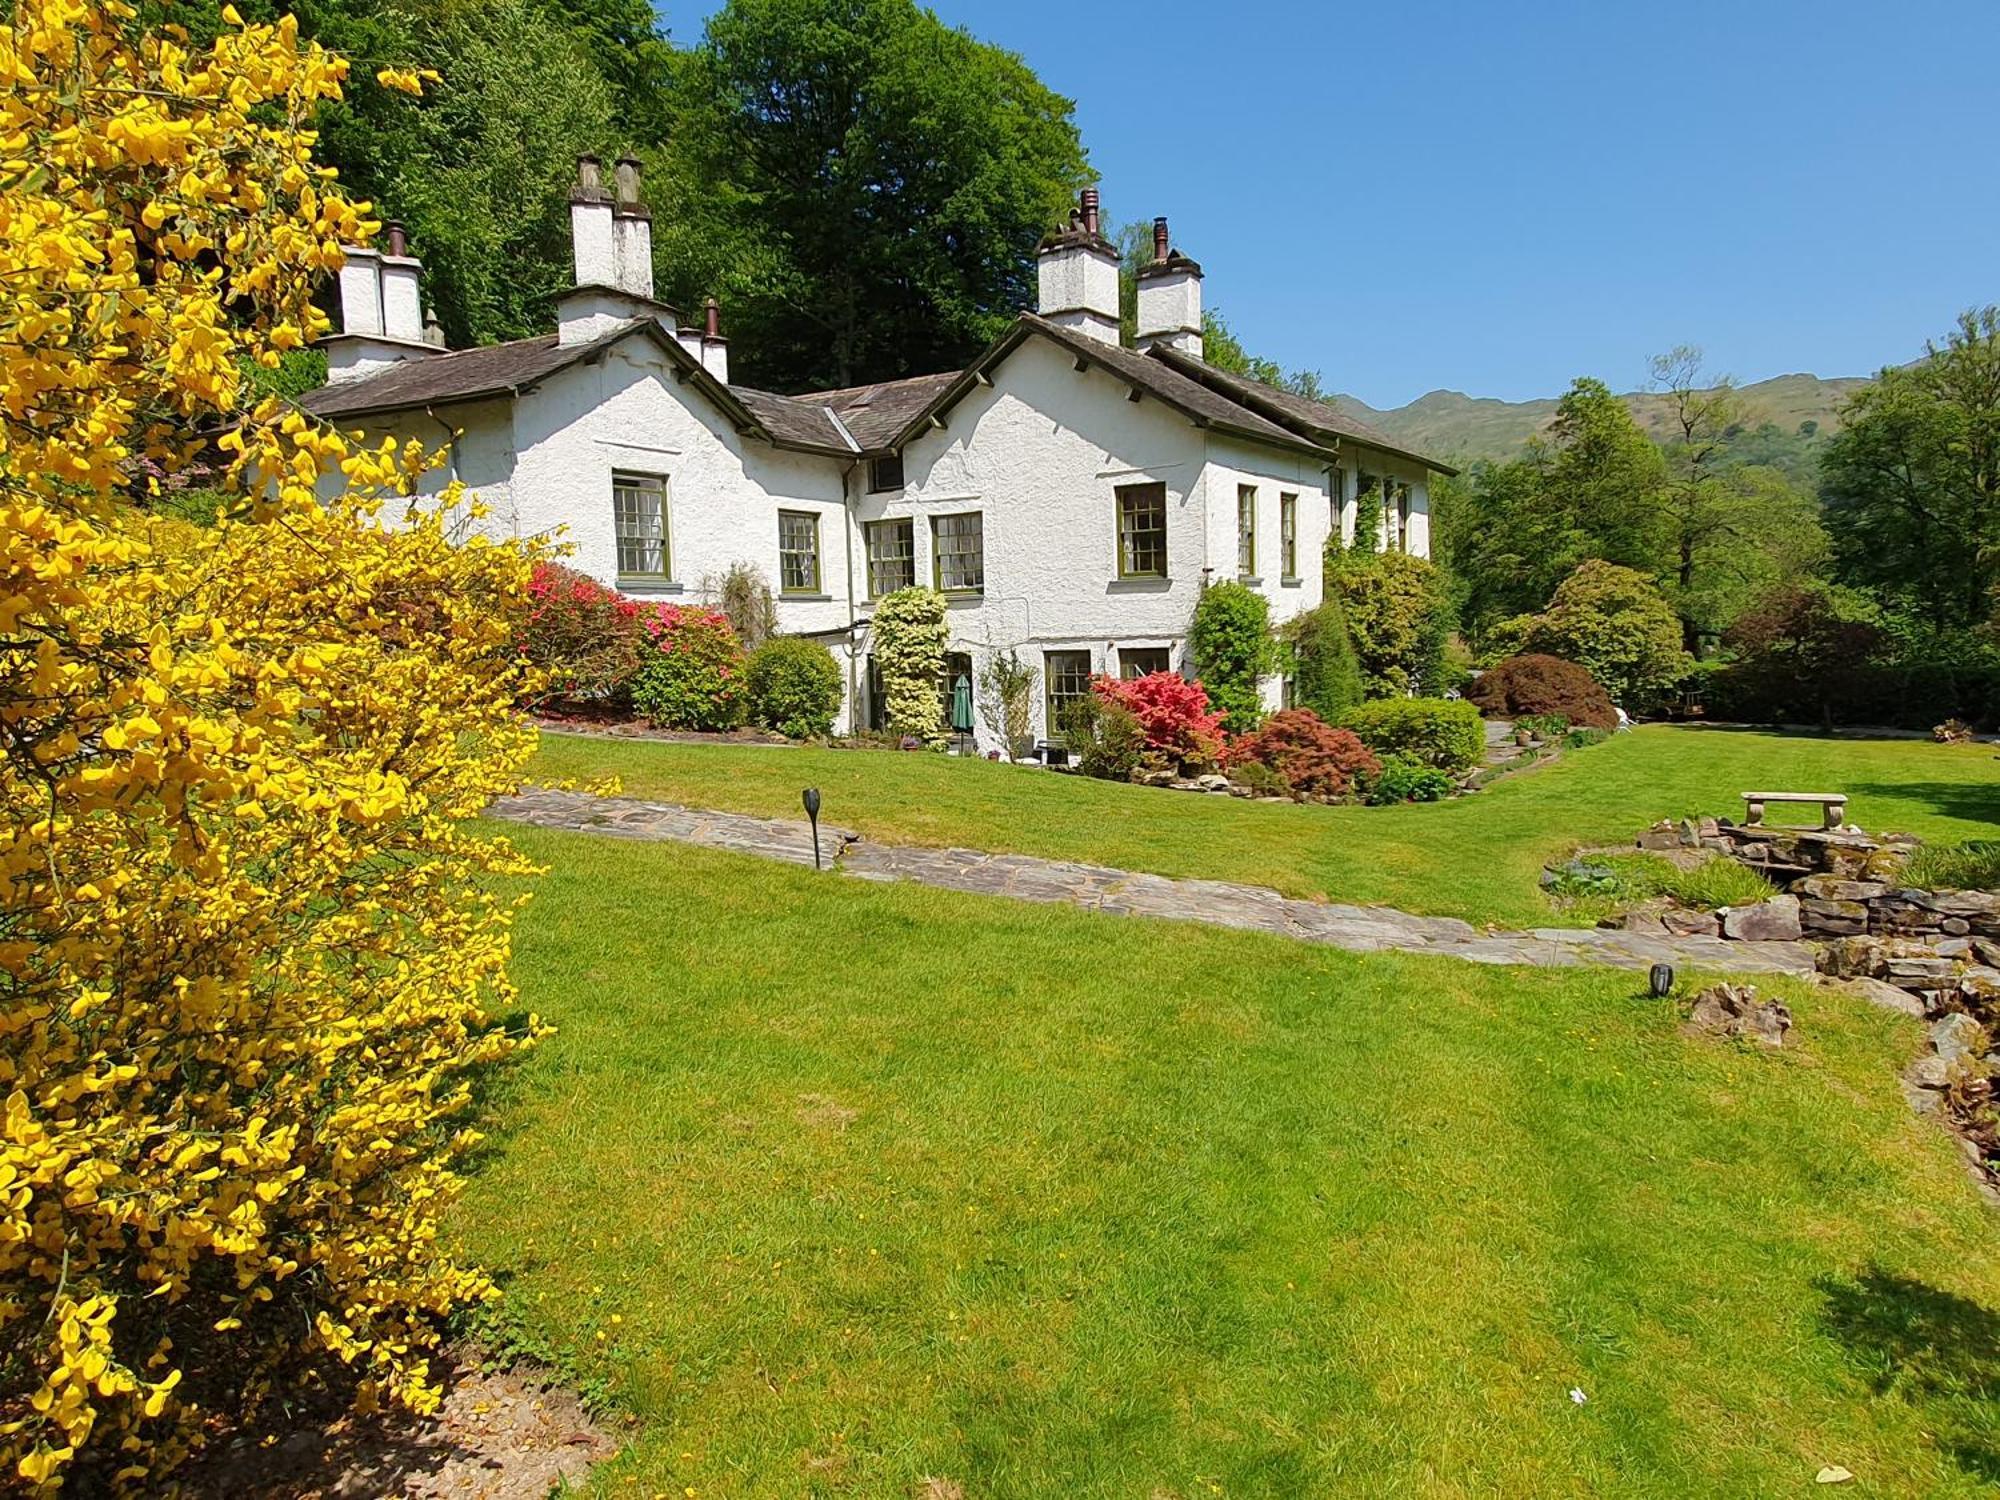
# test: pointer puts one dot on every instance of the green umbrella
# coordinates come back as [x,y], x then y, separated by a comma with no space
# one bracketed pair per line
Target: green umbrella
[961,703]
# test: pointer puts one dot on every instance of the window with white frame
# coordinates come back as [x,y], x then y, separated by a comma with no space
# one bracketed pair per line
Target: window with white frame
[798,552]
[639,521]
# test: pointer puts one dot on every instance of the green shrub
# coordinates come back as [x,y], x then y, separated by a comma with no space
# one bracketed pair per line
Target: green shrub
[1971,866]
[1399,614]
[794,687]
[1441,732]
[1544,726]
[691,675]
[1404,779]
[1584,735]
[1326,671]
[908,636]
[1232,647]
[1538,686]
[1257,777]
[1617,625]
[1105,739]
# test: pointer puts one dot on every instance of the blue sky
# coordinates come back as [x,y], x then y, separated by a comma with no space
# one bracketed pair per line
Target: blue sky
[1497,197]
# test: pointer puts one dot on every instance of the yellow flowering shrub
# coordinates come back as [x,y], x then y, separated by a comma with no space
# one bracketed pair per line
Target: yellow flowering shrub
[246,951]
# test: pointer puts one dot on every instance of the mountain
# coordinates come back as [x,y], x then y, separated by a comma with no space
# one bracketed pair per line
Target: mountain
[1453,425]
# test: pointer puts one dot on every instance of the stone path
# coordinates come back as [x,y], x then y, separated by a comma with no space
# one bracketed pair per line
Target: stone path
[1360,929]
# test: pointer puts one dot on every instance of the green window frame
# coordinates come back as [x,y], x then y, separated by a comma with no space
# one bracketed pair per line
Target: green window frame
[1402,517]
[1142,661]
[1065,679]
[1288,535]
[1142,530]
[639,525]
[1246,531]
[798,552]
[958,552]
[892,555]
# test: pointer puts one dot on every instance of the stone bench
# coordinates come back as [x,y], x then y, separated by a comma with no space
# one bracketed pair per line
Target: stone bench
[1832,806]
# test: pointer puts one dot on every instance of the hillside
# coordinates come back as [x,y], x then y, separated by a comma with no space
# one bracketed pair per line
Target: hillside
[1450,424]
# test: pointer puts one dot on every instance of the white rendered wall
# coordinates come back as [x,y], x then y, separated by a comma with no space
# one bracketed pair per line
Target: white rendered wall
[1078,288]
[1040,454]
[1273,474]
[402,302]
[1355,461]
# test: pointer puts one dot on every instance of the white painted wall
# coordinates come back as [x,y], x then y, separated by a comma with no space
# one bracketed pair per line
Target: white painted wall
[1355,461]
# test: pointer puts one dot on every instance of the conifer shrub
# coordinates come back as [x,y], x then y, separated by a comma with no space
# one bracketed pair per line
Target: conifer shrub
[793,686]
[1104,739]
[1445,733]
[691,674]
[1233,649]
[1326,669]
[1316,762]
[1536,685]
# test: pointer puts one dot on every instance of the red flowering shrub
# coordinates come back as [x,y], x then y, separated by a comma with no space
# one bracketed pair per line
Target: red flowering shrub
[1317,761]
[1172,711]
[691,668]
[588,638]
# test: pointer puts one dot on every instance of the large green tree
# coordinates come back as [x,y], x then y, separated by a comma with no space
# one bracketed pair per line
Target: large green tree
[863,185]
[1911,483]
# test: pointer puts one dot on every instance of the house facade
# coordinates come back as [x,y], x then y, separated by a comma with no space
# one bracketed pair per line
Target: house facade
[1069,496]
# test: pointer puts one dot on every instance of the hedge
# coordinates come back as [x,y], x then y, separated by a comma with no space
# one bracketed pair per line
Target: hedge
[1441,732]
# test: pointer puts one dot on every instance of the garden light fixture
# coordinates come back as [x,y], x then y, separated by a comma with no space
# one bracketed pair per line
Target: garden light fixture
[1661,981]
[811,799]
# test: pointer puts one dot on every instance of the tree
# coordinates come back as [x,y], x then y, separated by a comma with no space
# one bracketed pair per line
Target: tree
[1911,483]
[1614,622]
[1800,643]
[1588,488]
[863,186]
[251,946]
[1233,650]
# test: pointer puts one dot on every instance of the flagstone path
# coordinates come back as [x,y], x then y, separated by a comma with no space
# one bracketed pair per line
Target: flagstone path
[1360,929]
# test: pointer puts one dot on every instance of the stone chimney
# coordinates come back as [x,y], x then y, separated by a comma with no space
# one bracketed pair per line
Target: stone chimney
[714,347]
[1077,273]
[1169,298]
[381,310]
[611,236]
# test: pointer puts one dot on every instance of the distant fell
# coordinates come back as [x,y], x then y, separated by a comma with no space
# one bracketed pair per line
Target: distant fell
[1451,424]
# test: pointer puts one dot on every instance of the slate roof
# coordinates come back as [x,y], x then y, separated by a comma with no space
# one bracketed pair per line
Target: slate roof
[1302,413]
[875,414]
[870,418]
[468,375]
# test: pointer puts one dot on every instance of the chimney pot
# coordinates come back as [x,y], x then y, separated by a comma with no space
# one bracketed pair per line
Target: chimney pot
[712,319]
[1160,245]
[1090,210]
[626,174]
[399,241]
[589,173]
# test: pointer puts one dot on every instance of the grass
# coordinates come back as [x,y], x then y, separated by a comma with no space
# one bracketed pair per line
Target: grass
[1609,883]
[840,1187]
[1971,866]
[1476,857]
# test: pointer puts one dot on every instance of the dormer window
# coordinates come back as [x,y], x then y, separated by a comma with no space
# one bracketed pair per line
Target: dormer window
[885,473]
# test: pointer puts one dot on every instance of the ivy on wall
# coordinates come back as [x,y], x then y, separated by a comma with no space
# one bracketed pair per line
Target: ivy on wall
[909,638]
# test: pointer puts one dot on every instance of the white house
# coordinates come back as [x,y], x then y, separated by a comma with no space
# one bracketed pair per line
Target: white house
[1070,496]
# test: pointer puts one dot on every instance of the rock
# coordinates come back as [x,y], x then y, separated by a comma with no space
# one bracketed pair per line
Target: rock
[1213,781]
[1957,1035]
[1956,926]
[1887,996]
[1929,1072]
[1773,921]
[1986,951]
[1980,982]
[1924,1101]
[1885,865]
[1953,947]
[1919,973]
[1735,1010]
[1833,918]
[1708,828]
[1956,903]
[1833,888]
[1660,838]
[1689,833]
[1690,923]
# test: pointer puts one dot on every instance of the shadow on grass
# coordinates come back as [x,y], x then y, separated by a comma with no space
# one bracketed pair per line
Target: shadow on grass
[1929,1347]
[1974,801]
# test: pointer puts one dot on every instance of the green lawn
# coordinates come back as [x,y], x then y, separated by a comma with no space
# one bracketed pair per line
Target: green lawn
[836,1187]
[1477,857]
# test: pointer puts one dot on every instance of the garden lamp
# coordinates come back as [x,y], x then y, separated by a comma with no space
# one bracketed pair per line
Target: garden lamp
[1661,981]
[811,799]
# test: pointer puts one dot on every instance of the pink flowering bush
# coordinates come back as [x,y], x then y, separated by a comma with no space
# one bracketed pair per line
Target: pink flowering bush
[589,639]
[691,669]
[1172,712]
